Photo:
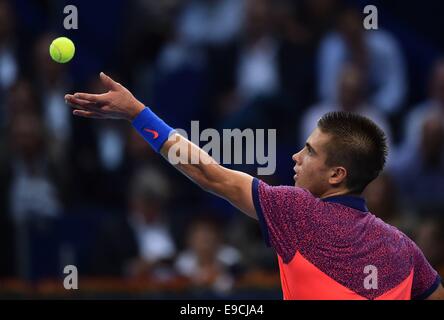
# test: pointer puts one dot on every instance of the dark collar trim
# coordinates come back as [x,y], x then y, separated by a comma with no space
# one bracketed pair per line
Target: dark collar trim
[354,202]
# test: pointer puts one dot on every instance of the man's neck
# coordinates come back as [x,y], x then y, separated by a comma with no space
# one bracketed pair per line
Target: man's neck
[334,193]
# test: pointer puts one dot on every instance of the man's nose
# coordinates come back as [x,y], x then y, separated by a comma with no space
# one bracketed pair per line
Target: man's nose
[296,157]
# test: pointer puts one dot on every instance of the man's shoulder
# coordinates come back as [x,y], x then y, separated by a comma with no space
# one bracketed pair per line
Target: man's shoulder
[286,195]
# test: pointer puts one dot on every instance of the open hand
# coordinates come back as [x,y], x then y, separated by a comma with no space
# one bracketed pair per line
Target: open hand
[117,103]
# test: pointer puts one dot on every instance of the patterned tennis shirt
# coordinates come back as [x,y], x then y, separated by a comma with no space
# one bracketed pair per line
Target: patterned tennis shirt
[327,248]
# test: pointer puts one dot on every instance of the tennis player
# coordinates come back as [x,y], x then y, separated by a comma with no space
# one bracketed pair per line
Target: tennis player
[329,246]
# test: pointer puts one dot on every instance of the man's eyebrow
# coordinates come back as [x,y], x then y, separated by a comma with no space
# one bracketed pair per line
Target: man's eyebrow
[309,147]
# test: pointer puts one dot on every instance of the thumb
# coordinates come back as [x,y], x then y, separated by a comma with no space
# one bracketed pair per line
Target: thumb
[108,82]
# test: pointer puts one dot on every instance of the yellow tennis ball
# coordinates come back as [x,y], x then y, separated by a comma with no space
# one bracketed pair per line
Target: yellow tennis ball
[62,50]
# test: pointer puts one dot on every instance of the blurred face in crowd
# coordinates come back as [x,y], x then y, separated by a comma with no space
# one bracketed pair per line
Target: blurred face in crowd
[350,25]
[429,237]
[437,86]
[22,98]
[148,193]
[6,21]
[26,135]
[258,18]
[321,8]
[432,142]
[350,88]
[311,170]
[204,240]
[380,196]
[47,70]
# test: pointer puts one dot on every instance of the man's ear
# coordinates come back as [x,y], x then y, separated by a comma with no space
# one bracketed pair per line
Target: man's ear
[337,175]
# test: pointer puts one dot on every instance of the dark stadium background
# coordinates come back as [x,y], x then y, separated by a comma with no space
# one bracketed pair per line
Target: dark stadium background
[68,186]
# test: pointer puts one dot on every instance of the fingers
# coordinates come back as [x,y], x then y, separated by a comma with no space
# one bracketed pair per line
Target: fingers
[82,104]
[108,82]
[91,98]
[88,114]
[74,102]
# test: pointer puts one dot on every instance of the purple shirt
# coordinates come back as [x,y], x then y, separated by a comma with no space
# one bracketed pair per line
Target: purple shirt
[340,237]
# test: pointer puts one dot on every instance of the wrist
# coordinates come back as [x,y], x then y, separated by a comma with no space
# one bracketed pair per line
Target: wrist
[138,108]
[153,129]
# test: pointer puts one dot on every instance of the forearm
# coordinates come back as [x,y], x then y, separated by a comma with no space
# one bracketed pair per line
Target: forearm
[194,163]
[188,158]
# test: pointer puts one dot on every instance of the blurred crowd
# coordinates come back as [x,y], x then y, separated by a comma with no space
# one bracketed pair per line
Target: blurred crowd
[93,194]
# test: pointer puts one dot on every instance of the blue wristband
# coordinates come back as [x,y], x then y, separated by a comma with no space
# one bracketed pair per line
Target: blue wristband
[153,129]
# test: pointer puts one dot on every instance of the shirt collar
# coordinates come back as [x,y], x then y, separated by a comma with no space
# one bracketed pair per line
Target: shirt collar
[355,202]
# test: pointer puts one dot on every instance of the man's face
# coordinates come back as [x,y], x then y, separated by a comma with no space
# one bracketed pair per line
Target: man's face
[311,171]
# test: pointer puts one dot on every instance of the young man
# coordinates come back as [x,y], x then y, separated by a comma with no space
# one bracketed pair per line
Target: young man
[328,245]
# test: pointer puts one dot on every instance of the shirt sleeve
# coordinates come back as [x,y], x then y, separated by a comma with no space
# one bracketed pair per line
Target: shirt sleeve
[425,279]
[284,214]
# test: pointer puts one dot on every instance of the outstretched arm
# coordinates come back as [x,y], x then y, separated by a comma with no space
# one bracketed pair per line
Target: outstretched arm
[119,103]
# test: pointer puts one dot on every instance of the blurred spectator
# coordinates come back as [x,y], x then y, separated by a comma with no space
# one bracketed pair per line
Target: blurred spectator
[430,238]
[352,97]
[8,61]
[420,176]
[257,70]
[207,261]
[383,201]
[319,16]
[245,234]
[8,266]
[177,80]
[138,153]
[170,76]
[432,106]
[36,183]
[376,52]
[420,169]
[286,15]
[140,244]
[154,22]
[262,78]
[84,164]
[110,145]
[22,97]
[247,68]
[210,22]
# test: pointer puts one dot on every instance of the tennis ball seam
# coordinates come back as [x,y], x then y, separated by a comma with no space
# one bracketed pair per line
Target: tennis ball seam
[60,58]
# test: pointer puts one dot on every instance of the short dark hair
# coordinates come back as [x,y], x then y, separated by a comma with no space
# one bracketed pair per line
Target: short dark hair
[358,144]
